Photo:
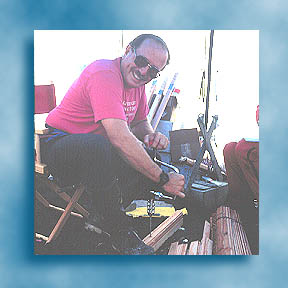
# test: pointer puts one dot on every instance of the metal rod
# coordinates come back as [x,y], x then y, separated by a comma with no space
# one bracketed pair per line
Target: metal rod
[209,77]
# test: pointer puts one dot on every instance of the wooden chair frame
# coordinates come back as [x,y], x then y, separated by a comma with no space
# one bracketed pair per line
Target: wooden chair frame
[42,175]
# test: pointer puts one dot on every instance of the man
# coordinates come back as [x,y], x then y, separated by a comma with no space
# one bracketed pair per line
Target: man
[99,130]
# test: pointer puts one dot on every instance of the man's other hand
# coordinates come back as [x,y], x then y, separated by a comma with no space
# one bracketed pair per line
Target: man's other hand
[156,140]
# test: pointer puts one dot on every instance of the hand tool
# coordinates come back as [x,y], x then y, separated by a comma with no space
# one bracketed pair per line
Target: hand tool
[175,169]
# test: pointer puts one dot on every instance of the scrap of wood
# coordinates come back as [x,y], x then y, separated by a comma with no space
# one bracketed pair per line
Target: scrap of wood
[173,248]
[42,131]
[178,249]
[206,230]
[193,248]
[205,247]
[165,230]
[206,244]
[209,247]
[182,248]
[41,168]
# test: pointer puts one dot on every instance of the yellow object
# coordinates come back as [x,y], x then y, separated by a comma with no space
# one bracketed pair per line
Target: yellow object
[159,212]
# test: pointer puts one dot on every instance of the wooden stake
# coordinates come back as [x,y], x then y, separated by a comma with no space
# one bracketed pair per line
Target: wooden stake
[194,248]
[166,229]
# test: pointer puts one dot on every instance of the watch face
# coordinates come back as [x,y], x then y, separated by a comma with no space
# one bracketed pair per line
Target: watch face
[164,178]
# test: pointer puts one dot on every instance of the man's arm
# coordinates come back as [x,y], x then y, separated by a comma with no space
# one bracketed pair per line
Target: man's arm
[141,128]
[144,132]
[131,149]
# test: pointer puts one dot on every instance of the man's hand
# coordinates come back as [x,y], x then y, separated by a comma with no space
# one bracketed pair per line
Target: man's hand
[175,185]
[156,140]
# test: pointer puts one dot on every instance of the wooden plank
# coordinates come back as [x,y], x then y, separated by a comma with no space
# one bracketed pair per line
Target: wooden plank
[205,247]
[193,249]
[165,230]
[206,230]
[42,131]
[205,238]
[209,247]
[173,248]
[178,249]
[41,168]
[182,248]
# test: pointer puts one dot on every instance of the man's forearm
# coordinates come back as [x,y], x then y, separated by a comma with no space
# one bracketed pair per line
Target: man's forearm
[130,148]
[141,129]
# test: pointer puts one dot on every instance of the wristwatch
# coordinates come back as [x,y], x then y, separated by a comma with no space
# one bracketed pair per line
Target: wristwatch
[164,178]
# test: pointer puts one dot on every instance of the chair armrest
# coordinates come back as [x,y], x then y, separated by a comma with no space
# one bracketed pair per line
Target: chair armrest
[42,131]
[41,168]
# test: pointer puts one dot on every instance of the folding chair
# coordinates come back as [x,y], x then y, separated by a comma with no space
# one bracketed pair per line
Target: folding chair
[45,101]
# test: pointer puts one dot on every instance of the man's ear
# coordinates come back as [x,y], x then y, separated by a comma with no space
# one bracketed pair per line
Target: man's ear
[128,49]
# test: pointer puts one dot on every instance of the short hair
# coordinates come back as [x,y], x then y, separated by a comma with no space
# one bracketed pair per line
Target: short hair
[139,39]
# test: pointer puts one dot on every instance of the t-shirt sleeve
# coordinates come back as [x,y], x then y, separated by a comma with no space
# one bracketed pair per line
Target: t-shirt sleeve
[104,89]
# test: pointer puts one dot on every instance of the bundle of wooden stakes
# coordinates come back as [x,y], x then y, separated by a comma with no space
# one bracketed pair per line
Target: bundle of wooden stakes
[224,235]
[228,233]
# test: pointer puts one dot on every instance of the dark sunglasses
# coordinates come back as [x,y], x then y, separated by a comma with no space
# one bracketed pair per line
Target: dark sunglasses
[141,61]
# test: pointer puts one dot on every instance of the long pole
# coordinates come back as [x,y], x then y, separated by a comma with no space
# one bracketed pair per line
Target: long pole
[209,77]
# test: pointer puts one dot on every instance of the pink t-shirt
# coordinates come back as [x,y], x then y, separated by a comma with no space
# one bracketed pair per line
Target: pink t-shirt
[98,94]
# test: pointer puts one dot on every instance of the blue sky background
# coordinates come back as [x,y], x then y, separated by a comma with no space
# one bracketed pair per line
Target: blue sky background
[18,266]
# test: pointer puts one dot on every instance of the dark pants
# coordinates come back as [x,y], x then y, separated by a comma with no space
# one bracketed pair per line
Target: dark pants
[242,168]
[91,160]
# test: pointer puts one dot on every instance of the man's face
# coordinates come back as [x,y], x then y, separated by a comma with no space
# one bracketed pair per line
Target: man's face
[134,76]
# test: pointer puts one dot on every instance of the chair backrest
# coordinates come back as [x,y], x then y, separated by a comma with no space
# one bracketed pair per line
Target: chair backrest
[45,99]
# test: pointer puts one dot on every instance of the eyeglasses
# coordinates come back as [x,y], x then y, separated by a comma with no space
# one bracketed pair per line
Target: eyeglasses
[141,61]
